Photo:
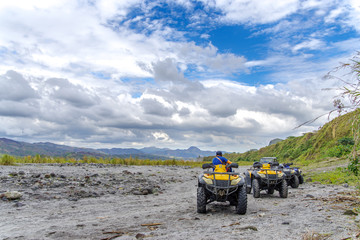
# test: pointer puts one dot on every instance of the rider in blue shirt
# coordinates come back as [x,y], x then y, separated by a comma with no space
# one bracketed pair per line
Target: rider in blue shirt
[219,159]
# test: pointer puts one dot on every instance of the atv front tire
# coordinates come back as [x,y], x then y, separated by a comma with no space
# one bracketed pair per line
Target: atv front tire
[295,182]
[242,201]
[256,188]
[301,179]
[201,200]
[283,190]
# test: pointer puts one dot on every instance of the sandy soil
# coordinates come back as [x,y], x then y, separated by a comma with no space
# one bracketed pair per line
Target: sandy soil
[123,202]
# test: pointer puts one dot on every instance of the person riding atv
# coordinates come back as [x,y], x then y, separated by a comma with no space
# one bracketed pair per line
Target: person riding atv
[221,185]
[219,159]
[265,175]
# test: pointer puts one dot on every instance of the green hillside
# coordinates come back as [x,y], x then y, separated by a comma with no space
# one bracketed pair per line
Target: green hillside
[333,140]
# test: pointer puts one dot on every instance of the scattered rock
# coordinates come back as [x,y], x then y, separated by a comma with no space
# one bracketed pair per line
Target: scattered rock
[350,213]
[12,195]
[248,228]
[346,185]
[126,172]
[309,196]
[140,236]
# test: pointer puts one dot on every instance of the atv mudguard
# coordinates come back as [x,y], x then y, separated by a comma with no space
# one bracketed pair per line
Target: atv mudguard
[248,179]
[201,181]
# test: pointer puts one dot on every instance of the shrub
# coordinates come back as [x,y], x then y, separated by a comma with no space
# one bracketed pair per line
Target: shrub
[7,160]
[346,141]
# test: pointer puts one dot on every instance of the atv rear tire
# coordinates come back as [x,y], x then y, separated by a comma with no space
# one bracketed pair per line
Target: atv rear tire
[295,182]
[301,179]
[283,190]
[242,201]
[201,200]
[256,188]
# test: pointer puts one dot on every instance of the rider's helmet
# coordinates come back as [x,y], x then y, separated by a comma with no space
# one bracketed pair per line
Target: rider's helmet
[218,153]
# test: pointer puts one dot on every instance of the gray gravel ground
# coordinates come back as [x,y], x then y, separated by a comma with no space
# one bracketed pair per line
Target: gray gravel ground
[158,202]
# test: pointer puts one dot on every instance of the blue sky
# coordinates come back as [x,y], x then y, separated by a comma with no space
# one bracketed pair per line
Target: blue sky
[217,74]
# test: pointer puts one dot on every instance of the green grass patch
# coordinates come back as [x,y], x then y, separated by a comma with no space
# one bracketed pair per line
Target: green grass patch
[337,176]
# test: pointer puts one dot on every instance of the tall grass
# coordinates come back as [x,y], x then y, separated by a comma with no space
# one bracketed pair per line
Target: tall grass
[10,160]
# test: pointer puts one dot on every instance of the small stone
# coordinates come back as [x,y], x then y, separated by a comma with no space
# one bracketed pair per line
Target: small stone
[19,204]
[285,223]
[346,185]
[140,236]
[145,191]
[309,196]
[136,192]
[21,173]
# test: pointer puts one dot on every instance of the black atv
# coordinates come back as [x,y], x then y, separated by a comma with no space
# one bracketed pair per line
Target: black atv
[294,183]
[266,176]
[221,186]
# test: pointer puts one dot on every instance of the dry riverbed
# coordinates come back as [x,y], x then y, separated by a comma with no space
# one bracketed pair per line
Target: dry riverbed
[94,201]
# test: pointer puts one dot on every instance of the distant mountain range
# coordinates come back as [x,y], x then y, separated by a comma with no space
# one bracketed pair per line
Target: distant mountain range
[11,147]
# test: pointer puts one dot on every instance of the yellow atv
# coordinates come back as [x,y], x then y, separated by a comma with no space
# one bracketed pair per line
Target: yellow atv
[266,176]
[220,185]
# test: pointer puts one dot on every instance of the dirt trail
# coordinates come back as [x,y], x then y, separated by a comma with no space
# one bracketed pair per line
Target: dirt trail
[121,202]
